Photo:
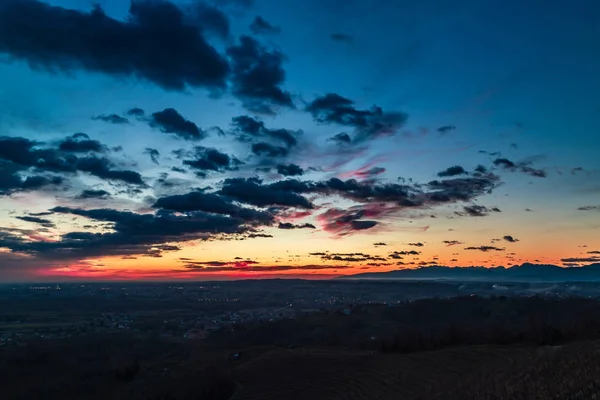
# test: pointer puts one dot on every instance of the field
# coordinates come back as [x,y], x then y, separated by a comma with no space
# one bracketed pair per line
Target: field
[190,371]
[476,372]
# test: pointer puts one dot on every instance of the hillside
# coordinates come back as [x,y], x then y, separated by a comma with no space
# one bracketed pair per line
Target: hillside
[467,373]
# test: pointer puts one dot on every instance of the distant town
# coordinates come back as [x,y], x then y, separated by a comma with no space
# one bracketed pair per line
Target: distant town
[194,310]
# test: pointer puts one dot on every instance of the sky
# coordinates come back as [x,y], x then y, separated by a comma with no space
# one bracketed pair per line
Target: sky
[195,140]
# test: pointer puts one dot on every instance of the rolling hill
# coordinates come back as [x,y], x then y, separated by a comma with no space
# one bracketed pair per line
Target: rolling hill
[519,273]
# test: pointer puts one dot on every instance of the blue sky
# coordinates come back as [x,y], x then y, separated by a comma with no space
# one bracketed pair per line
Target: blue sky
[517,79]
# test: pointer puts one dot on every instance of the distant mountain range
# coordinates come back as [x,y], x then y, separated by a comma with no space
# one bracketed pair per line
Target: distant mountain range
[518,273]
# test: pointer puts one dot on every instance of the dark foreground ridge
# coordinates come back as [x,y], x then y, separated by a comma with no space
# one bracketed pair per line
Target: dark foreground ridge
[519,273]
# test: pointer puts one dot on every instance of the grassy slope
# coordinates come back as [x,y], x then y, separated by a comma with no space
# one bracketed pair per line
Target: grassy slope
[475,372]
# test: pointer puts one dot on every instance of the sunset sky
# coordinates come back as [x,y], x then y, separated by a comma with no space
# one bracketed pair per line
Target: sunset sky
[313,138]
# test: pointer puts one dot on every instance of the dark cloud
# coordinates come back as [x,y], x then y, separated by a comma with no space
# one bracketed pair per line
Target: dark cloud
[523,166]
[12,180]
[259,235]
[416,244]
[344,222]
[405,253]
[215,204]
[452,242]
[510,239]
[504,162]
[248,129]
[130,234]
[155,42]
[363,224]
[369,173]
[235,3]
[81,143]
[208,159]
[365,191]
[94,194]
[261,26]
[384,199]
[581,259]
[261,269]
[27,154]
[112,118]
[407,195]
[288,225]
[348,257]
[398,255]
[462,189]
[153,153]
[380,244]
[37,220]
[477,210]
[211,19]
[589,208]
[252,191]
[452,171]
[342,38]
[593,252]
[490,153]
[289,170]
[242,263]
[445,129]
[257,75]
[170,121]
[42,214]
[485,249]
[266,149]
[102,168]
[480,169]
[136,112]
[537,173]
[368,124]
[341,139]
